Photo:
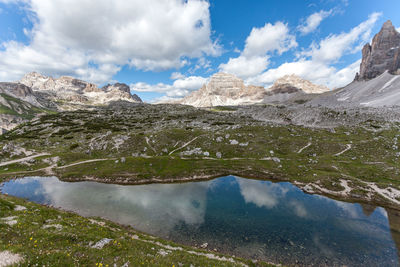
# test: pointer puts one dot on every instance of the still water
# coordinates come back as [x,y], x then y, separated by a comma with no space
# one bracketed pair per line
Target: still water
[249,218]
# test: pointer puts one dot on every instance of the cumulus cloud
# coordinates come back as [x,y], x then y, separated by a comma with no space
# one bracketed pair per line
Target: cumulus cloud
[177,75]
[317,63]
[334,47]
[313,21]
[179,88]
[103,37]
[260,44]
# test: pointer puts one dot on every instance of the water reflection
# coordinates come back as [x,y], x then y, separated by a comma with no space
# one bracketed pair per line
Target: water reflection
[250,218]
[160,204]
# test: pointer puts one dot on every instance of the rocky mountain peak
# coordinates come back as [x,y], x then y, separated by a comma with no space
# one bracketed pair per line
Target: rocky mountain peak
[383,54]
[117,86]
[224,89]
[72,90]
[292,83]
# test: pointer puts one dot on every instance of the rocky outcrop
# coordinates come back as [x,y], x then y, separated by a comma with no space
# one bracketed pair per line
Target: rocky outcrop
[224,89]
[121,89]
[382,55]
[293,83]
[69,91]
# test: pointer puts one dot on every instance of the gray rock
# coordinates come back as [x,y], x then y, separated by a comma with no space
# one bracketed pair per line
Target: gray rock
[382,55]
[233,142]
[218,155]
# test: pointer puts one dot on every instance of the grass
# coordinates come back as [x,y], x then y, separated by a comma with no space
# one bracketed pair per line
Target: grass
[48,237]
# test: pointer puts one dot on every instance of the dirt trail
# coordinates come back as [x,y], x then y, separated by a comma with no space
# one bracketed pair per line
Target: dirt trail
[185,145]
[301,149]
[83,162]
[23,159]
[348,147]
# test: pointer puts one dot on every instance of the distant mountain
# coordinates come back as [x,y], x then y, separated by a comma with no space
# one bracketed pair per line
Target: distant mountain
[378,82]
[294,82]
[67,92]
[224,89]
[292,88]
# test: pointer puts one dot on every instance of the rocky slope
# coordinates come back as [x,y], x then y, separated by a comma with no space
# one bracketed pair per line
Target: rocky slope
[224,89]
[382,55]
[17,105]
[67,91]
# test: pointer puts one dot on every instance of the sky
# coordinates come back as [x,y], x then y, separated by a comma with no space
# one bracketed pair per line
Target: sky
[165,49]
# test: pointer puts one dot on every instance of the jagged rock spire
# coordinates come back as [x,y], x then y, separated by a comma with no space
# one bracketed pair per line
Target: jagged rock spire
[382,55]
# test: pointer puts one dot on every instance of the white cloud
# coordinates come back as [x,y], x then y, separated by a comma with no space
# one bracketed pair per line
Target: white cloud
[154,36]
[177,75]
[313,21]
[179,88]
[315,72]
[334,47]
[245,67]
[317,63]
[260,44]
[398,29]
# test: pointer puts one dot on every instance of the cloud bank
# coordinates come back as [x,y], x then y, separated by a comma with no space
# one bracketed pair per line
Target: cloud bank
[92,42]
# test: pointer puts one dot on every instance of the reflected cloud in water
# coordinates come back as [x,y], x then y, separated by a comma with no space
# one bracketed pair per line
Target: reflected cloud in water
[261,194]
[164,205]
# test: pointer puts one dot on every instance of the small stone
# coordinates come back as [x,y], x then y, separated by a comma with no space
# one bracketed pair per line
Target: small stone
[123,160]
[275,159]
[205,245]
[218,155]
[234,142]
[100,244]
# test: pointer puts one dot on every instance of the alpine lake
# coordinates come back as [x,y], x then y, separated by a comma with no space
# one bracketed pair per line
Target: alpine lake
[254,219]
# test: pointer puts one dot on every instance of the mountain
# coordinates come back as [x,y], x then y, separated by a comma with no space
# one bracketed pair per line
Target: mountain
[378,82]
[295,82]
[292,88]
[17,105]
[224,89]
[68,92]
[382,55]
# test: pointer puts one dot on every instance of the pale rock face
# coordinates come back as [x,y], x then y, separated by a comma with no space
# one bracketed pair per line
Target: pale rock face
[223,90]
[382,55]
[77,91]
[292,83]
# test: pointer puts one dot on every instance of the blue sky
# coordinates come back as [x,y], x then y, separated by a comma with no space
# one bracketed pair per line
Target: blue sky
[167,48]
